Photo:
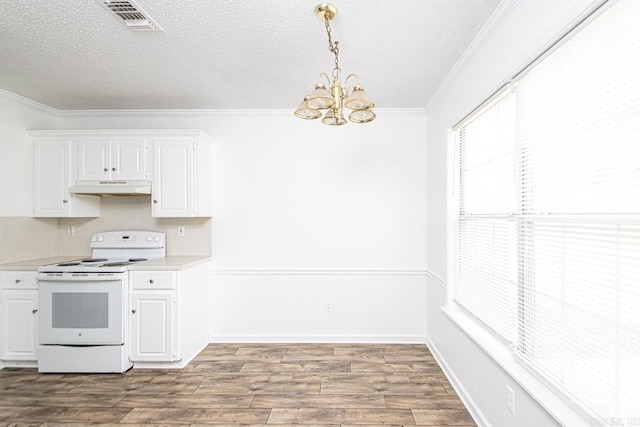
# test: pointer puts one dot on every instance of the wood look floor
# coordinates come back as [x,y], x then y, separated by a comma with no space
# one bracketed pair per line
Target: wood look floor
[250,384]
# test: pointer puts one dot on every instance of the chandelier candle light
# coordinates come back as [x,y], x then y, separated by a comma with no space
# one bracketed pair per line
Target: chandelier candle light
[320,98]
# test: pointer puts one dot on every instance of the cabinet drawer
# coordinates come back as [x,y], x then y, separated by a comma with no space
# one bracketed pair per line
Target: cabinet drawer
[18,280]
[153,280]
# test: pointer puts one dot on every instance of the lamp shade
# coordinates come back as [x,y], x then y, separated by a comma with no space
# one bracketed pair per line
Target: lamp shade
[362,116]
[305,112]
[358,100]
[332,119]
[320,98]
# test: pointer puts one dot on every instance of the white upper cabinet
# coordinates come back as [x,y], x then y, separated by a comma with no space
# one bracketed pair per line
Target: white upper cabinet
[112,159]
[181,185]
[53,171]
[177,162]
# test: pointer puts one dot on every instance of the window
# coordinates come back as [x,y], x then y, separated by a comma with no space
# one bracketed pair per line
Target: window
[548,228]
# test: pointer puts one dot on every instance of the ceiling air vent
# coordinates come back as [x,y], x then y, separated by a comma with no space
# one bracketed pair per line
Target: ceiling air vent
[130,14]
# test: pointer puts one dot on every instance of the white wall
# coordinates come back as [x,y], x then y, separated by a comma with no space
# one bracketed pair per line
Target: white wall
[514,35]
[39,236]
[290,307]
[16,116]
[306,213]
[292,194]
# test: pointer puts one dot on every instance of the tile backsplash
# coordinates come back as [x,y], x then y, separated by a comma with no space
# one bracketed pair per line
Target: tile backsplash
[134,213]
[23,238]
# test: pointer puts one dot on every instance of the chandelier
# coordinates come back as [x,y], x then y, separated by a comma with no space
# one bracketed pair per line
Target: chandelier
[320,98]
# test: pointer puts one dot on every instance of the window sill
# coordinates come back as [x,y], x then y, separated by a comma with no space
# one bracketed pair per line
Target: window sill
[547,399]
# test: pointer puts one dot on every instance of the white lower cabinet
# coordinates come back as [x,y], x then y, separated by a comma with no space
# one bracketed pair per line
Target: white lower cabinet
[153,326]
[19,314]
[169,316]
[154,316]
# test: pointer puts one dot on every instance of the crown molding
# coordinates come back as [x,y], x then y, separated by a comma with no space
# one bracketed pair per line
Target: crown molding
[190,112]
[212,112]
[28,102]
[573,16]
[497,18]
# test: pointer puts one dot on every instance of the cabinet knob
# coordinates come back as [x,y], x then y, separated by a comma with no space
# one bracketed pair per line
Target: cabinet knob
[65,201]
[18,280]
[155,201]
[134,311]
[34,311]
[106,169]
[151,281]
[114,169]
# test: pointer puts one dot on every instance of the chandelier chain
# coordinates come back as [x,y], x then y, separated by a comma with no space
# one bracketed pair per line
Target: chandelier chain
[333,48]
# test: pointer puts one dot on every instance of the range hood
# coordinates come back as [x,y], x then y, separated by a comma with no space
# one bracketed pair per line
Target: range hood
[122,188]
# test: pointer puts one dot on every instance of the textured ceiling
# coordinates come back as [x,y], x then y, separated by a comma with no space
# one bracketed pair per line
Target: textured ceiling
[248,54]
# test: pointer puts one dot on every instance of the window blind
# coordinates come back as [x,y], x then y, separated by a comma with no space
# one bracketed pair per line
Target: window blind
[486,229]
[579,209]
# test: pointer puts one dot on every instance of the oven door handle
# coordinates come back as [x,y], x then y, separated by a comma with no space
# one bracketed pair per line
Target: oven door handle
[77,277]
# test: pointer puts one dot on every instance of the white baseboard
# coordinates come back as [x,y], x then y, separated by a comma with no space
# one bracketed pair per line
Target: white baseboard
[469,403]
[18,364]
[307,339]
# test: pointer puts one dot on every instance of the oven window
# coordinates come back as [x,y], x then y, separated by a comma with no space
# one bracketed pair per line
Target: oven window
[79,310]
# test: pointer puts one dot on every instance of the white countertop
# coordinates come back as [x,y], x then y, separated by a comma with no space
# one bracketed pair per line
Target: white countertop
[33,264]
[175,263]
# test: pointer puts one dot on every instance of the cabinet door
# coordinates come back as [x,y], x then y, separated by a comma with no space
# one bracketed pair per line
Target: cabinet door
[153,326]
[94,159]
[19,325]
[173,178]
[129,159]
[51,178]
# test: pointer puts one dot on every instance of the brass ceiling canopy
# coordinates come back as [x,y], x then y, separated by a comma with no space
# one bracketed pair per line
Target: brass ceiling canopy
[320,98]
[326,11]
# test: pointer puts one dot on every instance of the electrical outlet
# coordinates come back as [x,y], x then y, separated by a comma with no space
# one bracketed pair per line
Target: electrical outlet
[181,230]
[511,400]
[328,306]
[71,231]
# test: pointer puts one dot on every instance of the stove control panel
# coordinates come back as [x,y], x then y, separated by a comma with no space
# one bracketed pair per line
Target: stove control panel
[128,239]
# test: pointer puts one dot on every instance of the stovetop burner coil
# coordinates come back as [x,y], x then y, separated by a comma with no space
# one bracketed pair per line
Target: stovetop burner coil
[115,264]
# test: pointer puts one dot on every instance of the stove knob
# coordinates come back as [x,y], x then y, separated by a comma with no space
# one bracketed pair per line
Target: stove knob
[149,238]
[100,239]
[94,239]
[156,239]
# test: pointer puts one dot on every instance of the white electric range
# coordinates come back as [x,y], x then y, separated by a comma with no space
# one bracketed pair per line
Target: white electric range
[84,304]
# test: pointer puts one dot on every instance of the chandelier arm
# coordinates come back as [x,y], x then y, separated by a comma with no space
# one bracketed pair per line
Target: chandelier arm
[348,89]
[326,77]
[352,75]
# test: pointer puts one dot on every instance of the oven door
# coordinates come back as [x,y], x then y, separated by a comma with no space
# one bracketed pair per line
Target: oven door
[82,309]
